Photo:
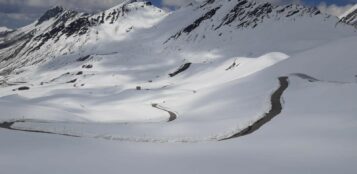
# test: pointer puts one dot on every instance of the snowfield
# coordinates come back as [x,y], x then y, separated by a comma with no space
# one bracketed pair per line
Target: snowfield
[218,86]
[4,29]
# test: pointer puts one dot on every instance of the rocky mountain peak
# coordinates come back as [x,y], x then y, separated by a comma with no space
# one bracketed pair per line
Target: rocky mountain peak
[51,13]
[238,14]
[350,17]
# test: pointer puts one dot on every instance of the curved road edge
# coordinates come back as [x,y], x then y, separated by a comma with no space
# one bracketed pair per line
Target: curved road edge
[8,125]
[276,108]
[172,117]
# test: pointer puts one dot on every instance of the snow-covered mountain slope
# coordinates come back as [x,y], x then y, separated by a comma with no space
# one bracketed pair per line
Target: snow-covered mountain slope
[4,29]
[211,69]
[350,16]
[314,133]
[61,31]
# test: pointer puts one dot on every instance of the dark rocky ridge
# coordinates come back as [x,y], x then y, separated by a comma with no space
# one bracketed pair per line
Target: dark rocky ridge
[50,14]
[182,68]
[350,18]
[244,14]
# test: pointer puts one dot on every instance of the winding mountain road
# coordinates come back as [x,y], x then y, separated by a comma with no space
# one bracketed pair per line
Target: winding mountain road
[7,125]
[276,108]
[172,117]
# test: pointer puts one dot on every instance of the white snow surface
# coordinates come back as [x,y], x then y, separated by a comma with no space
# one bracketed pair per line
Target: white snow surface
[3,29]
[232,74]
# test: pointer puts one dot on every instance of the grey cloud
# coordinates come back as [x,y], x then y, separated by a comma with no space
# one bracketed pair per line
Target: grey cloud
[14,20]
[334,9]
[177,3]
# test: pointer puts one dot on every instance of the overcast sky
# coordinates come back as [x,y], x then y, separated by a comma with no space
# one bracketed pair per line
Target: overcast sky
[15,13]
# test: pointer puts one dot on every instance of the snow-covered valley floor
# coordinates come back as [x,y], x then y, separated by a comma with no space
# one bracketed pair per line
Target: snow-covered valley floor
[292,143]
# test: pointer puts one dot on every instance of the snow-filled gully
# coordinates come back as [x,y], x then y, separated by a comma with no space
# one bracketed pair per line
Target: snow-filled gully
[276,108]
